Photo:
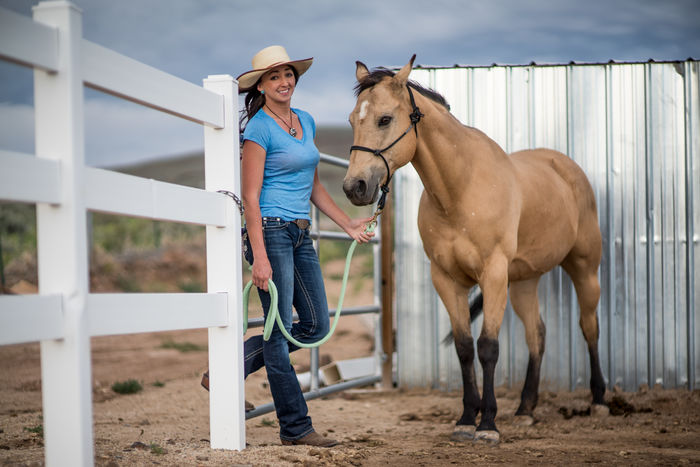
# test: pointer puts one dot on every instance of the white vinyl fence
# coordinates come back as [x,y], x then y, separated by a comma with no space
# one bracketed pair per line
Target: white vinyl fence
[64,315]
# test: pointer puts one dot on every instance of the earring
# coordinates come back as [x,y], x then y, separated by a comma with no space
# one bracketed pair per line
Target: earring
[262,92]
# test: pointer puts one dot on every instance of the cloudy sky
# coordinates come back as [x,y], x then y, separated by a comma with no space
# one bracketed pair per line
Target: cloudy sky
[195,38]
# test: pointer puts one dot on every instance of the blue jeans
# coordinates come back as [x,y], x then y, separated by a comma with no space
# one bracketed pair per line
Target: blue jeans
[296,272]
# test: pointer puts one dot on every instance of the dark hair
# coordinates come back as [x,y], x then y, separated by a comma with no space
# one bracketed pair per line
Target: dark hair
[255,100]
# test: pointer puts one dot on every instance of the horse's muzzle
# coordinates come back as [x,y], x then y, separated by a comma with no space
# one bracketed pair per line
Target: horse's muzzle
[360,192]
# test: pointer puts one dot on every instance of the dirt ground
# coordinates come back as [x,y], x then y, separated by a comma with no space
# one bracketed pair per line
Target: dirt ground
[167,423]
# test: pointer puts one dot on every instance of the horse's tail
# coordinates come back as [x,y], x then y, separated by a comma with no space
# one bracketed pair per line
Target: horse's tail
[476,306]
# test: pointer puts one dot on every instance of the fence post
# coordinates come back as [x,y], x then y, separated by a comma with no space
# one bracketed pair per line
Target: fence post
[221,171]
[387,315]
[62,244]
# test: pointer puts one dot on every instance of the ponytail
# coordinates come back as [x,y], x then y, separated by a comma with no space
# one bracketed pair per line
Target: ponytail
[254,101]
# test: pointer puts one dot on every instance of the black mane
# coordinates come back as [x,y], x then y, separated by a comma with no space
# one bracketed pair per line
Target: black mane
[376,75]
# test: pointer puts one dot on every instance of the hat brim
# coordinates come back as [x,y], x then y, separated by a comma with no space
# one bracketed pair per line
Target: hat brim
[248,79]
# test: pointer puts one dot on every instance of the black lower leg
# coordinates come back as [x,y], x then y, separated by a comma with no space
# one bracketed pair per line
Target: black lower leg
[488,356]
[528,398]
[470,400]
[597,381]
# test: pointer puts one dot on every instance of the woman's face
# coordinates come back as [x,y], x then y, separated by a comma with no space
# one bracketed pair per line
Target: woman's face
[278,84]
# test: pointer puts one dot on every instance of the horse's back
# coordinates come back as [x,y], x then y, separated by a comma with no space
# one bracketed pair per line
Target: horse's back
[533,162]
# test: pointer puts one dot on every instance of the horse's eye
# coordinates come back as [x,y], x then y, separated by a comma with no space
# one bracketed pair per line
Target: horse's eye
[384,120]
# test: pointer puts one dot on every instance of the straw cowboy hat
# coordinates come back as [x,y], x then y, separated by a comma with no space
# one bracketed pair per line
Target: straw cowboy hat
[265,60]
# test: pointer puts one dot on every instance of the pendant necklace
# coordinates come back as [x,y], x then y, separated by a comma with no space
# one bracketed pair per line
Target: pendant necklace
[292,130]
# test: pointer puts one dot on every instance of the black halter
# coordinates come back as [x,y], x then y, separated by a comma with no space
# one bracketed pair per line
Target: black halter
[415,118]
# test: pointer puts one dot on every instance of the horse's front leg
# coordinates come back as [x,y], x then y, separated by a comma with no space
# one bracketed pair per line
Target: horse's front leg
[494,286]
[455,297]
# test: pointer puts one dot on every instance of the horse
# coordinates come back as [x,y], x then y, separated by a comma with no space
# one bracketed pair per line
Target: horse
[485,217]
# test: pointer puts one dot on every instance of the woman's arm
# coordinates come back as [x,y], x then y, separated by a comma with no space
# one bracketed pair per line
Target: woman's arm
[353,227]
[253,168]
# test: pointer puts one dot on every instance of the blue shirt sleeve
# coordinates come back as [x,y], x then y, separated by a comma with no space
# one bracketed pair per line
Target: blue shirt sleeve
[257,132]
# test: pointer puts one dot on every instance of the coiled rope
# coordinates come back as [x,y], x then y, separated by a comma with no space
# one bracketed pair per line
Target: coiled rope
[273,314]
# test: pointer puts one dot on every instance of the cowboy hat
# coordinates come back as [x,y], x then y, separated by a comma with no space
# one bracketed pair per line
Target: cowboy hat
[265,60]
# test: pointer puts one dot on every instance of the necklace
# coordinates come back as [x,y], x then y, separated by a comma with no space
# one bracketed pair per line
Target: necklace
[292,130]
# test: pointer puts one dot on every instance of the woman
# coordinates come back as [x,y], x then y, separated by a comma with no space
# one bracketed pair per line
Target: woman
[279,178]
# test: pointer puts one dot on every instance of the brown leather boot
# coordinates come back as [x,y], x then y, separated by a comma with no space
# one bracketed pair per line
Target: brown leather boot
[312,439]
[205,385]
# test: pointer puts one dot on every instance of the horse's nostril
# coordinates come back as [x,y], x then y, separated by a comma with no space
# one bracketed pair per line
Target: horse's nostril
[361,187]
[356,189]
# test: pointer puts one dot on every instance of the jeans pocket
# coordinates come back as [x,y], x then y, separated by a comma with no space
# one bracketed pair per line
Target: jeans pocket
[272,224]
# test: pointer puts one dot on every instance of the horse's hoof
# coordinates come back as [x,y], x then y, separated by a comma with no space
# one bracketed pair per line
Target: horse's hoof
[523,420]
[463,433]
[599,411]
[487,436]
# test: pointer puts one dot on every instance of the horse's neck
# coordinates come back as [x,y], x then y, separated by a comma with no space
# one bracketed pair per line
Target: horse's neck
[438,159]
[449,156]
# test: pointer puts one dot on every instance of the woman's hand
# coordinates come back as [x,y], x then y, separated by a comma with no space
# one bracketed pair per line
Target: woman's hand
[357,230]
[262,272]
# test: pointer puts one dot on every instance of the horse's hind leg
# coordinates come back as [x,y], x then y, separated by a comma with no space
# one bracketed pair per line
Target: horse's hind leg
[523,297]
[455,298]
[584,275]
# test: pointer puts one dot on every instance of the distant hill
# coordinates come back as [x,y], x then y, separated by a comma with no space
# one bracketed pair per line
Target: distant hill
[188,169]
[334,141]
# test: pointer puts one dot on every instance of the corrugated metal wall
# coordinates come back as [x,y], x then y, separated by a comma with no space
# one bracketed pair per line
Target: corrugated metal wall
[635,130]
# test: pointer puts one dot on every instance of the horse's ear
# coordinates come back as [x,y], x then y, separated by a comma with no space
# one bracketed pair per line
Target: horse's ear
[361,71]
[402,76]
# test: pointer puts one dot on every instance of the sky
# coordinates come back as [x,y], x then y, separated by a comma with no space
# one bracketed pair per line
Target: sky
[195,38]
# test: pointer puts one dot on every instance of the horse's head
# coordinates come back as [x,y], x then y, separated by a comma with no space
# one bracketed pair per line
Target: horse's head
[381,122]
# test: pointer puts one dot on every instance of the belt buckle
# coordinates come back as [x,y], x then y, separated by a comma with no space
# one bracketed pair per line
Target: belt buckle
[303,224]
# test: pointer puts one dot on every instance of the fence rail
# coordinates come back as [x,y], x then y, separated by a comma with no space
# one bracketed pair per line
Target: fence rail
[112,314]
[113,73]
[30,318]
[27,179]
[27,42]
[142,197]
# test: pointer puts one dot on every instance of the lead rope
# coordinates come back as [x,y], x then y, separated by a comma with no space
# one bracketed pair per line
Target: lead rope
[273,314]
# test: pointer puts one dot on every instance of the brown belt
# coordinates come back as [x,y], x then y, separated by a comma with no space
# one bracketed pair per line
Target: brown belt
[303,224]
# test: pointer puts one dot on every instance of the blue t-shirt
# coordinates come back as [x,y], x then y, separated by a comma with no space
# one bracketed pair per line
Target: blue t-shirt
[290,165]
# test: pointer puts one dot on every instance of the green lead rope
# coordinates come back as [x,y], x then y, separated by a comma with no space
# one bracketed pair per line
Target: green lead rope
[274,315]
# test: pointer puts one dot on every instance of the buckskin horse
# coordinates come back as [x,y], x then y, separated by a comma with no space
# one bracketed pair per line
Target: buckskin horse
[485,217]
